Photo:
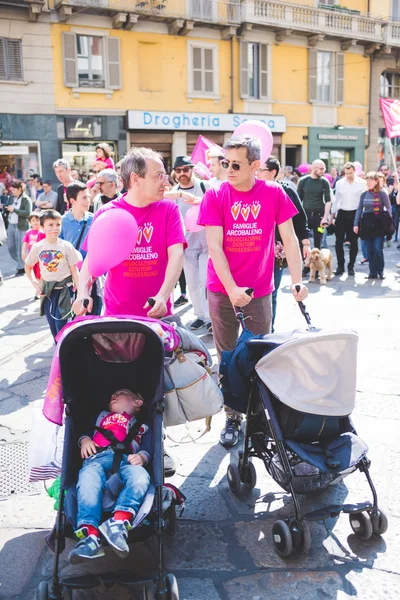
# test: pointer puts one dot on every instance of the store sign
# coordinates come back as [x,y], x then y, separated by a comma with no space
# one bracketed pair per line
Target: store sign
[83,127]
[337,137]
[190,121]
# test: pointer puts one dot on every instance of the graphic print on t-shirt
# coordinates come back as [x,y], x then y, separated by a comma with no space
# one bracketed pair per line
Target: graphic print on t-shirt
[51,259]
[142,262]
[245,235]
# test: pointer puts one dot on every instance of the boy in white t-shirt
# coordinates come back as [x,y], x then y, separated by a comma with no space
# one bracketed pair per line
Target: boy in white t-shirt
[57,260]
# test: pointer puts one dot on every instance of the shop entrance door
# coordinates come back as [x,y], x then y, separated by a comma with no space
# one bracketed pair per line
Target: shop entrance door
[336,158]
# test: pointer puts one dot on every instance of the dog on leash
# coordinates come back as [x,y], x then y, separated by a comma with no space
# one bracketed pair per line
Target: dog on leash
[320,260]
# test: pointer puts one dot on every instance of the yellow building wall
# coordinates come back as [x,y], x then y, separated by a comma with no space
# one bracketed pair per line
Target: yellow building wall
[154,75]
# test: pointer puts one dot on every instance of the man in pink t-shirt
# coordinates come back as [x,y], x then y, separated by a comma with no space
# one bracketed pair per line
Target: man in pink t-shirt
[240,219]
[154,266]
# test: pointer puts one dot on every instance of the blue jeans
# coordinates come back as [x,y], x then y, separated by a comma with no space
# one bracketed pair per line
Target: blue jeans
[92,478]
[375,255]
[14,244]
[364,248]
[278,272]
[53,315]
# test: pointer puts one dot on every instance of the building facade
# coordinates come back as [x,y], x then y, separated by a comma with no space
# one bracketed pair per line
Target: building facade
[134,73]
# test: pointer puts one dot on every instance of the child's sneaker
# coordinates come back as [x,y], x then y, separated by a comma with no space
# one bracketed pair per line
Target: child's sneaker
[116,534]
[88,547]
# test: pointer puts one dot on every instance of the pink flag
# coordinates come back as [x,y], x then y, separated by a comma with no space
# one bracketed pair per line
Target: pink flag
[201,155]
[391,115]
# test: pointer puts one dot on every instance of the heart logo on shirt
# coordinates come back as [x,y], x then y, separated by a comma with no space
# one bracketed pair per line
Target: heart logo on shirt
[139,237]
[245,212]
[235,210]
[148,232]
[255,210]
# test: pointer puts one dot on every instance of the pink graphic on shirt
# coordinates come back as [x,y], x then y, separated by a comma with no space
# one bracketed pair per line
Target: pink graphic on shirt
[245,212]
[235,210]
[148,232]
[117,424]
[255,209]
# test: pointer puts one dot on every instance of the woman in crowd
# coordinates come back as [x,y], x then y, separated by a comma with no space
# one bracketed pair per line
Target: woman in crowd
[19,210]
[372,204]
[103,157]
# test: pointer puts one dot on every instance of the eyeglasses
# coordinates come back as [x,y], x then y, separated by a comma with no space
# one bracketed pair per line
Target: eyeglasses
[235,166]
[160,176]
[182,170]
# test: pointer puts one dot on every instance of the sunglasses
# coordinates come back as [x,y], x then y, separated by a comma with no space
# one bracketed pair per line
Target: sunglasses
[183,170]
[235,166]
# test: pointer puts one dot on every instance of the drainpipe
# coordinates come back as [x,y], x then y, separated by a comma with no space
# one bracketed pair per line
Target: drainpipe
[371,58]
[232,78]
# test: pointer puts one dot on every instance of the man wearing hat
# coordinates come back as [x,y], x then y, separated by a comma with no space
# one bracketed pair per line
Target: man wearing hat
[188,192]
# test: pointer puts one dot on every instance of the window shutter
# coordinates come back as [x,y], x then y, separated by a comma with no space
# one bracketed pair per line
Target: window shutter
[340,78]
[70,60]
[244,70]
[114,63]
[312,75]
[395,10]
[3,70]
[263,71]
[14,56]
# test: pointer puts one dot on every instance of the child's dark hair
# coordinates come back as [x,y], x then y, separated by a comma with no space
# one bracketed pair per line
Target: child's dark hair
[49,215]
[36,215]
[106,149]
[73,189]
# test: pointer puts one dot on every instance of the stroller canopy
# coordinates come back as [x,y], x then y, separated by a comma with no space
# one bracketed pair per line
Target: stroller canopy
[311,371]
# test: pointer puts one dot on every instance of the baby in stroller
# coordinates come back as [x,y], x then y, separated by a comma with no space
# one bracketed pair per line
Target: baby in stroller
[120,445]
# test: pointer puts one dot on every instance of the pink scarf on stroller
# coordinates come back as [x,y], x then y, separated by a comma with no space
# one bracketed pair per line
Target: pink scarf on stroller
[53,407]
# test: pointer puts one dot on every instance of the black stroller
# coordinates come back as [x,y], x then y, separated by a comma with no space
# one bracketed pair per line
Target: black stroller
[97,357]
[299,390]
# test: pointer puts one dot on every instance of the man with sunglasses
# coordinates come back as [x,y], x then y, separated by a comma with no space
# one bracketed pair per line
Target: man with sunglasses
[240,220]
[188,192]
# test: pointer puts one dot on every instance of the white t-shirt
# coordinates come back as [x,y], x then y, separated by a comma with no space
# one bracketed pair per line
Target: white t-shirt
[55,259]
[13,218]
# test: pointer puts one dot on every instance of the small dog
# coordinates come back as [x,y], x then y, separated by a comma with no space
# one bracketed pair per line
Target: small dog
[319,260]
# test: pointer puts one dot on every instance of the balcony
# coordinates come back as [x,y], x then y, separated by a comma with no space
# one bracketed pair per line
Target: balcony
[391,35]
[308,20]
[225,13]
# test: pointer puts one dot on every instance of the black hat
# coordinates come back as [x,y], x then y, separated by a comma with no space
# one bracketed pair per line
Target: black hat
[183,161]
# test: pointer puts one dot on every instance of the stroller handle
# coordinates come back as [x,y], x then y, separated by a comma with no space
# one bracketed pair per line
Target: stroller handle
[303,308]
[151,302]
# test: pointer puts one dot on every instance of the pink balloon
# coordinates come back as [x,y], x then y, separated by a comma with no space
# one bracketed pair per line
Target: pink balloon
[358,167]
[303,168]
[112,238]
[328,176]
[79,265]
[259,130]
[191,219]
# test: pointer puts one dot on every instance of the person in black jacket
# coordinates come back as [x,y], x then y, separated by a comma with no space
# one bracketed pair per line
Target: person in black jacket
[269,172]
[62,171]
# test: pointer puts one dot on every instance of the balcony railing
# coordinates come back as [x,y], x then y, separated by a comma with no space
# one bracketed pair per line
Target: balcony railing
[305,19]
[391,34]
[215,12]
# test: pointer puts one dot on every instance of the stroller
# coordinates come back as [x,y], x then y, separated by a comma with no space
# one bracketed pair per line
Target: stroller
[96,358]
[299,390]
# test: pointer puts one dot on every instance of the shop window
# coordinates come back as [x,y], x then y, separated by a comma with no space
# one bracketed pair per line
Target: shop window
[254,71]
[18,160]
[326,77]
[205,10]
[203,70]
[390,85]
[91,61]
[10,60]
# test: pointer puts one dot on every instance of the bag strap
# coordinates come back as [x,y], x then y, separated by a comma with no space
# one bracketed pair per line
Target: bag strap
[78,243]
[203,187]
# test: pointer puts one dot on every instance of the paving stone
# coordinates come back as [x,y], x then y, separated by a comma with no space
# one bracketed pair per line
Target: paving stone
[199,546]
[203,500]
[196,589]
[33,512]
[285,585]
[19,420]
[10,377]
[20,551]
[370,584]
[32,390]
[9,404]
[256,539]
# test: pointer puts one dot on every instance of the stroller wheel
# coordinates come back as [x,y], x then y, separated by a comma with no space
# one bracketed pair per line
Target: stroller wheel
[233,476]
[43,591]
[251,478]
[379,522]
[282,538]
[305,538]
[361,525]
[172,587]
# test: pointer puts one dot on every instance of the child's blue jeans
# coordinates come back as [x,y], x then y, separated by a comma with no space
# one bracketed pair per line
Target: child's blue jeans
[92,478]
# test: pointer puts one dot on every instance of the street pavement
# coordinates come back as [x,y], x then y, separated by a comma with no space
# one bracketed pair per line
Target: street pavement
[222,549]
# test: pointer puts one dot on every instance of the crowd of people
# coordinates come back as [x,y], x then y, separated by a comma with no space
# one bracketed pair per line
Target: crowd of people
[255,219]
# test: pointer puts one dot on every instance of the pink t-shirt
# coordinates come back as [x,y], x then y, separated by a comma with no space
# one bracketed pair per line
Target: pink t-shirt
[141,275]
[116,423]
[109,162]
[248,220]
[32,236]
